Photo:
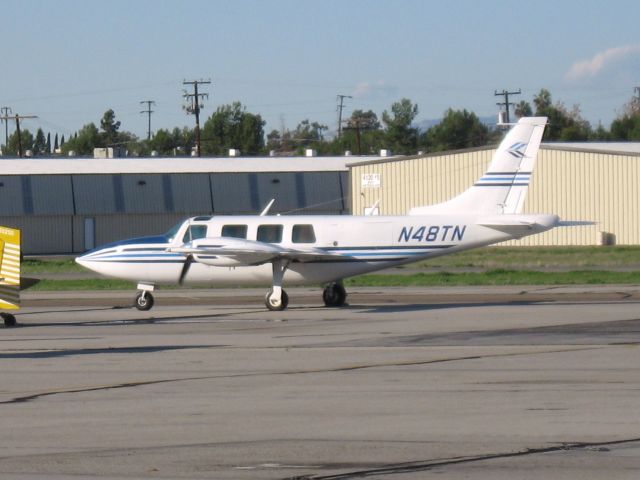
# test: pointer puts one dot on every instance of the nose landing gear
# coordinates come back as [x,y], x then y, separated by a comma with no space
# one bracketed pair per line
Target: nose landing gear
[144,301]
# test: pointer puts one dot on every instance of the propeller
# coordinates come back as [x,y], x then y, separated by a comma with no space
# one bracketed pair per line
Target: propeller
[188,260]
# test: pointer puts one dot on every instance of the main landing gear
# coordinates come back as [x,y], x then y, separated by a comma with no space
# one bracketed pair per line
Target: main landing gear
[276,299]
[334,295]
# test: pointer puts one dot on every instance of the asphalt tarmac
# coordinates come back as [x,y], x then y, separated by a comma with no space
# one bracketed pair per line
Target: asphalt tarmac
[483,383]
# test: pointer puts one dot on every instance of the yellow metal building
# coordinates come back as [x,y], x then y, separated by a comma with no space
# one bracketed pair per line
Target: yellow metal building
[593,182]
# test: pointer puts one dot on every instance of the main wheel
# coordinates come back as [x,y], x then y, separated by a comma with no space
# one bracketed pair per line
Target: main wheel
[9,319]
[144,301]
[334,295]
[276,305]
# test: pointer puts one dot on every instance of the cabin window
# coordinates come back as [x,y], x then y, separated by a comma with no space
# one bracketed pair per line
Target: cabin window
[303,234]
[194,232]
[234,231]
[269,233]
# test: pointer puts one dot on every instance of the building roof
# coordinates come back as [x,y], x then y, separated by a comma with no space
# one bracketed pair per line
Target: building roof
[60,166]
[608,147]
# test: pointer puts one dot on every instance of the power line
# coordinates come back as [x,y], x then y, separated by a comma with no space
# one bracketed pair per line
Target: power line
[341,98]
[149,112]
[506,103]
[195,106]
[5,112]
[17,118]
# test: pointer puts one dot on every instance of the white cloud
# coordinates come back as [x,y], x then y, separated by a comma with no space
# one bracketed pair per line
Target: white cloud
[375,89]
[593,66]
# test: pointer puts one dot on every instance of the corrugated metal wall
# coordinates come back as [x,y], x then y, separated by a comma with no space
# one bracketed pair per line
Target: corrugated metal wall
[577,185]
[54,210]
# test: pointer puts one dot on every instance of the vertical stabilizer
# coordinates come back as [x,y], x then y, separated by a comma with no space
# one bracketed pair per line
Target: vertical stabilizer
[503,188]
[9,268]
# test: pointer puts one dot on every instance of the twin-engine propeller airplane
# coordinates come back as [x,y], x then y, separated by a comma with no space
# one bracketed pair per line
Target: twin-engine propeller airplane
[323,249]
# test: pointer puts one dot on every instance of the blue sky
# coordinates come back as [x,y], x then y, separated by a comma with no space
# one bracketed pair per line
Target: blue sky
[68,61]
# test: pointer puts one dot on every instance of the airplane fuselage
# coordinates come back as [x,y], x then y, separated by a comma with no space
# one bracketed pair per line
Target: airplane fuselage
[358,244]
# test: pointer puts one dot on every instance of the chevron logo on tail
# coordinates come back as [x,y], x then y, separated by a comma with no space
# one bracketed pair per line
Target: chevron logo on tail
[517,149]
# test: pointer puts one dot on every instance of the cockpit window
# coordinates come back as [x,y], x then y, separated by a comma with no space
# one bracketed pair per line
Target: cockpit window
[194,232]
[234,231]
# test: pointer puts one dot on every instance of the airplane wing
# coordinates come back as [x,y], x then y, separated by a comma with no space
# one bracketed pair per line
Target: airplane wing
[225,251]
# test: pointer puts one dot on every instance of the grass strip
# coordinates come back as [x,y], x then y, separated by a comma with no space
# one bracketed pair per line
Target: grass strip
[491,277]
[497,277]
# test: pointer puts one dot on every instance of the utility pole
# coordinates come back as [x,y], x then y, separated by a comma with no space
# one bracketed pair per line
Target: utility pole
[357,124]
[149,112]
[341,98]
[5,113]
[195,106]
[506,103]
[17,118]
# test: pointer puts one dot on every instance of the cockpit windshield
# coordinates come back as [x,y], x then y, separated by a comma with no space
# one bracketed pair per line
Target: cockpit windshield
[173,231]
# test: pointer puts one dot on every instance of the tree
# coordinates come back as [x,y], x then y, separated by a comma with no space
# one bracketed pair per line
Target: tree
[109,128]
[173,142]
[48,147]
[84,141]
[362,133]
[39,144]
[627,125]
[458,129]
[523,109]
[55,144]
[26,138]
[564,125]
[231,126]
[400,136]
[310,135]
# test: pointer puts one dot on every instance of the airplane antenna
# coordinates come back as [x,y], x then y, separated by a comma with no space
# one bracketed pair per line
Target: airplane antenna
[373,207]
[267,208]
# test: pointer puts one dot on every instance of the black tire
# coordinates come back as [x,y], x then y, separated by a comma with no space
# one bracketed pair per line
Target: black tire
[284,301]
[9,319]
[144,301]
[334,295]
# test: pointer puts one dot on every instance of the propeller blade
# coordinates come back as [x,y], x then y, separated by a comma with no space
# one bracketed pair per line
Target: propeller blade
[185,268]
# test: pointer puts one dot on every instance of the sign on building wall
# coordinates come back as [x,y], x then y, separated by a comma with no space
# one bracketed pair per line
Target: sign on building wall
[370,180]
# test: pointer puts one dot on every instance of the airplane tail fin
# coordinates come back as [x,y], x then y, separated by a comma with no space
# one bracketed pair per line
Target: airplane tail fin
[9,268]
[503,187]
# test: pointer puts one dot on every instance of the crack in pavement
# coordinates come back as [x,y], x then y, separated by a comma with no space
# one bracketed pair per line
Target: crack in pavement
[347,368]
[421,466]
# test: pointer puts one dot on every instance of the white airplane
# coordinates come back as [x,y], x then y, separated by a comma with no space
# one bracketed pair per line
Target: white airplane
[325,249]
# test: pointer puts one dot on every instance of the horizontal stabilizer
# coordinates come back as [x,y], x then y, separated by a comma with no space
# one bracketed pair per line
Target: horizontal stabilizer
[575,223]
[520,225]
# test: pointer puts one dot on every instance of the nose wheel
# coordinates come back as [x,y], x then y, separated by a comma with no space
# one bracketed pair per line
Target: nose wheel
[144,301]
[334,295]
